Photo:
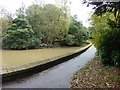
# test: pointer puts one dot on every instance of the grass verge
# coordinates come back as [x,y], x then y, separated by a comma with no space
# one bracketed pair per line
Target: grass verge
[94,75]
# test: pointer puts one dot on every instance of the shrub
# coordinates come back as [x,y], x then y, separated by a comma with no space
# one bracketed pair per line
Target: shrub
[70,40]
[20,35]
[116,58]
[78,33]
[108,46]
[106,38]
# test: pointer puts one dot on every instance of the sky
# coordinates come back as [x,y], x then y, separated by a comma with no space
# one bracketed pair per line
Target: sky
[76,7]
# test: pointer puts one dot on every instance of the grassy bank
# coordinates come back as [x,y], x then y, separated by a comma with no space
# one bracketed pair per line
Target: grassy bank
[94,75]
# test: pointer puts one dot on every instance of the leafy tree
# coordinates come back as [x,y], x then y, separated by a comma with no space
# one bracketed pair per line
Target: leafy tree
[19,35]
[51,22]
[35,16]
[105,6]
[107,32]
[91,31]
[70,40]
[77,30]
[106,38]
[21,11]
[4,24]
[5,20]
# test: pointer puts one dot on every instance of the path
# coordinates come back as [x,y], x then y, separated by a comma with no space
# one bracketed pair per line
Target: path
[55,77]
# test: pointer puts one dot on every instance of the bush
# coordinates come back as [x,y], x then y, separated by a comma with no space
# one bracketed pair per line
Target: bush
[20,36]
[108,46]
[70,40]
[116,58]
[106,38]
[78,33]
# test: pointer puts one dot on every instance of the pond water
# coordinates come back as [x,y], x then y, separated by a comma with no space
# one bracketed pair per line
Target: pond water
[12,58]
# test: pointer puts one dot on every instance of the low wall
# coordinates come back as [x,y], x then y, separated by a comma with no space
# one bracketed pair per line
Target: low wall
[32,68]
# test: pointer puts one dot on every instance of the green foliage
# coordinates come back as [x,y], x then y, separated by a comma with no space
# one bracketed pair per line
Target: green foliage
[102,7]
[77,32]
[21,12]
[70,40]
[19,23]
[107,39]
[49,25]
[4,24]
[35,17]
[5,20]
[92,31]
[49,21]
[19,35]
[107,35]
[108,49]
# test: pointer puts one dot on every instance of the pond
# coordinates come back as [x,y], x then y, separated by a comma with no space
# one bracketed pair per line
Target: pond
[12,58]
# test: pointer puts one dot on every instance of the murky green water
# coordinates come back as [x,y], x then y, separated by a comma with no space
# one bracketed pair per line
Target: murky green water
[12,58]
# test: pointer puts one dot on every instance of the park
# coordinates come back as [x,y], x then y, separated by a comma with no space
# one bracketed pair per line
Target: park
[45,46]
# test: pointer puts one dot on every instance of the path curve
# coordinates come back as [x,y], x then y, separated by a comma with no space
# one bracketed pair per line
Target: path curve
[55,77]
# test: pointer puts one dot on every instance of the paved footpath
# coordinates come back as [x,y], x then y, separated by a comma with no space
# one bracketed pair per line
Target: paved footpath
[55,77]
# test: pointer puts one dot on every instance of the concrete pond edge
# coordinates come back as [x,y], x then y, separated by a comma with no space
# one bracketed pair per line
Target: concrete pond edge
[13,73]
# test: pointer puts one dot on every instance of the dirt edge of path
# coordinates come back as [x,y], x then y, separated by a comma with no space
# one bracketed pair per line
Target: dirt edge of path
[94,75]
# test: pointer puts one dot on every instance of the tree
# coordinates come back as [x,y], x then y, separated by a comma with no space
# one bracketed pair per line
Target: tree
[59,21]
[21,11]
[105,6]
[19,35]
[51,21]
[70,40]
[4,24]
[35,16]
[107,30]
[5,20]
[77,32]
[91,31]
[106,22]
